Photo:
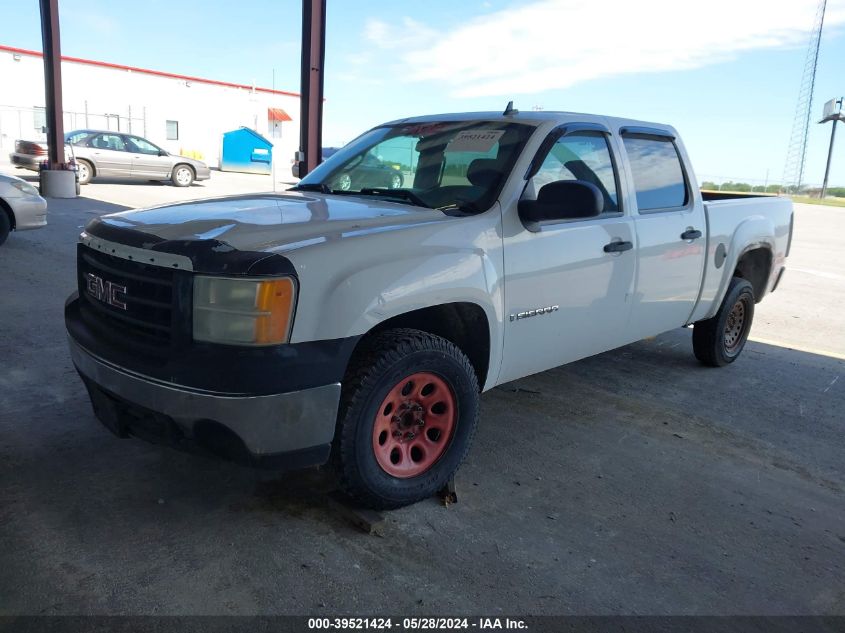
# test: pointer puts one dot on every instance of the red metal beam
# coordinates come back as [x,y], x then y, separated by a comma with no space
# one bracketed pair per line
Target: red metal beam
[311,78]
[53,83]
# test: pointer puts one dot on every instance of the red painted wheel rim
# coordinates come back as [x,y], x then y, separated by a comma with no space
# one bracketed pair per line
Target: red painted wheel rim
[414,425]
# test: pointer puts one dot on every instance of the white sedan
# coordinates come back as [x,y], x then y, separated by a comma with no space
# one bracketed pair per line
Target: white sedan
[21,208]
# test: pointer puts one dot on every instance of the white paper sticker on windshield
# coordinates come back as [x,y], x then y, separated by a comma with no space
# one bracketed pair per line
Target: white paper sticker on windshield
[475,140]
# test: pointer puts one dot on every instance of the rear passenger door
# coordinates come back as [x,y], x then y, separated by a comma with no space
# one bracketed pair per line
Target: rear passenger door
[566,297]
[110,156]
[671,232]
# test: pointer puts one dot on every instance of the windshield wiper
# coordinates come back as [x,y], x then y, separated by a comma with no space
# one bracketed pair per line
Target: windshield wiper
[403,194]
[312,186]
[463,208]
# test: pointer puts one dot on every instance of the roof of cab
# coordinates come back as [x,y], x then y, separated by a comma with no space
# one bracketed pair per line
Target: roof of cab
[531,117]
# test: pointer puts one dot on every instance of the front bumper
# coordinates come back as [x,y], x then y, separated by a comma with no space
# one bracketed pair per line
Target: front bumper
[27,161]
[285,430]
[30,212]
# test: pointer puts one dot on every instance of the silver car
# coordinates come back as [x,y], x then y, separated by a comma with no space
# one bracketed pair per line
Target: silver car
[108,154]
[21,207]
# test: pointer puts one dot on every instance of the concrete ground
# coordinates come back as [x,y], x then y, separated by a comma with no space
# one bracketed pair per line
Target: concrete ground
[634,482]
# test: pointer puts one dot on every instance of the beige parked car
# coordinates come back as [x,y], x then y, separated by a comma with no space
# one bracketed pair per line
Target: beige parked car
[108,154]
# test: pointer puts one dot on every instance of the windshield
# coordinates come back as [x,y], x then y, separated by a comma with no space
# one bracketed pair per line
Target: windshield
[441,165]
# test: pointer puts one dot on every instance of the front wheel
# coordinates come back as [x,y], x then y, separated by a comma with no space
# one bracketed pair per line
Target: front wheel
[408,413]
[5,225]
[720,340]
[182,176]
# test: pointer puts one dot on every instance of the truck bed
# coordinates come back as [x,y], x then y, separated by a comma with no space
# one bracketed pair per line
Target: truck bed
[735,223]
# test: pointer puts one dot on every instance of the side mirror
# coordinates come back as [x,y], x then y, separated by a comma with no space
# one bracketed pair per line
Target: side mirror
[561,200]
[161,152]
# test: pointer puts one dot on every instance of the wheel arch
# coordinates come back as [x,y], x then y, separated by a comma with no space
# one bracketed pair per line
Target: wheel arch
[464,324]
[755,266]
[7,209]
[91,165]
[188,165]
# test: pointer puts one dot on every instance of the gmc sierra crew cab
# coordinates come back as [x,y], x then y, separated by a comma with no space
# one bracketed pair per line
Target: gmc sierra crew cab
[357,324]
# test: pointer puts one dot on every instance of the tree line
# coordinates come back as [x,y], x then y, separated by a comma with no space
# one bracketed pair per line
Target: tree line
[744,187]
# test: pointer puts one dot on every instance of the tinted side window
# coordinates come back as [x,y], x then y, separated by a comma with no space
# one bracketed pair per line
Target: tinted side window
[580,156]
[137,144]
[75,138]
[108,141]
[658,176]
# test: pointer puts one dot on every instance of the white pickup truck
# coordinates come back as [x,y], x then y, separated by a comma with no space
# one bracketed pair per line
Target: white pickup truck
[352,323]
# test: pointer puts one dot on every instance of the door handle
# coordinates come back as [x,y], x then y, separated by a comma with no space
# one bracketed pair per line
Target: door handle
[691,234]
[618,247]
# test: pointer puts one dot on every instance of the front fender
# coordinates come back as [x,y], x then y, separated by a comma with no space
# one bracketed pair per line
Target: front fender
[348,287]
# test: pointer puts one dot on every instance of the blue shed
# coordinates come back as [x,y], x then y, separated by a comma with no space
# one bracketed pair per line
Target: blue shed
[247,151]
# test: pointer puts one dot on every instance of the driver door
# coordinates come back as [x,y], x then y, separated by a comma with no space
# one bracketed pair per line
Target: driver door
[146,159]
[565,296]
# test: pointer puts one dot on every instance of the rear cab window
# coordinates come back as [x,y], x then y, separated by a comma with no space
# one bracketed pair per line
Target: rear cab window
[660,182]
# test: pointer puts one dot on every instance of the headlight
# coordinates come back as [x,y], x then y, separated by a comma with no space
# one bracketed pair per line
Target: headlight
[243,311]
[25,188]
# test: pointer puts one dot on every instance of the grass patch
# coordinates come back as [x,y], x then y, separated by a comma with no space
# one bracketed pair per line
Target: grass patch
[828,202]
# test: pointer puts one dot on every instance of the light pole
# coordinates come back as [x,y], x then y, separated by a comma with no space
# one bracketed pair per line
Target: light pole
[832,112]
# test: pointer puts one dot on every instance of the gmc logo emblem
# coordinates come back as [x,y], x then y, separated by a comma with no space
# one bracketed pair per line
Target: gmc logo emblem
[105,291]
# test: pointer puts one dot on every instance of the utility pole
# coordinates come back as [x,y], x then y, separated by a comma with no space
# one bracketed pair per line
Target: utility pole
[832,112]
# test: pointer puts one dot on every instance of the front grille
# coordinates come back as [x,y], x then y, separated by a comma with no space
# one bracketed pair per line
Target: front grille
[149,296]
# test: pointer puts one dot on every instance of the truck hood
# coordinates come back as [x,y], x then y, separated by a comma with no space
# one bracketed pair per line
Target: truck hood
[273,222]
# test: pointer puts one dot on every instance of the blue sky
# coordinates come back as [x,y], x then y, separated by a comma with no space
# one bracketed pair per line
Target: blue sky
[725,74]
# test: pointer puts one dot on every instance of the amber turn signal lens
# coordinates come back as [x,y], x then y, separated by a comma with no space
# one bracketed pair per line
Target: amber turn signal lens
[274,303]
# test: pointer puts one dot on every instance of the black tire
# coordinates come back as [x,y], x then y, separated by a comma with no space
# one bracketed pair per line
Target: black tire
[382,365]
[84,171]
[5,224]
[182,176]
[396,181]
[719,341]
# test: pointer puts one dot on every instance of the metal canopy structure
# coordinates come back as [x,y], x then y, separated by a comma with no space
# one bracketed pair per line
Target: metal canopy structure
[311,79]
[53,83]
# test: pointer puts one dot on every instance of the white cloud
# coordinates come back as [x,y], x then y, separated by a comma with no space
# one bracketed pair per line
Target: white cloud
[554,44]
[409,34]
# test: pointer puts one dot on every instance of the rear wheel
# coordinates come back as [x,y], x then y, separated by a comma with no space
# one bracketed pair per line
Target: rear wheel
[396,180]
[720,340]
[183,176]
[408,413]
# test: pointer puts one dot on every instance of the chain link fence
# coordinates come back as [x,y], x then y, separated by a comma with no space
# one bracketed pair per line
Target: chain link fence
[30,123]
